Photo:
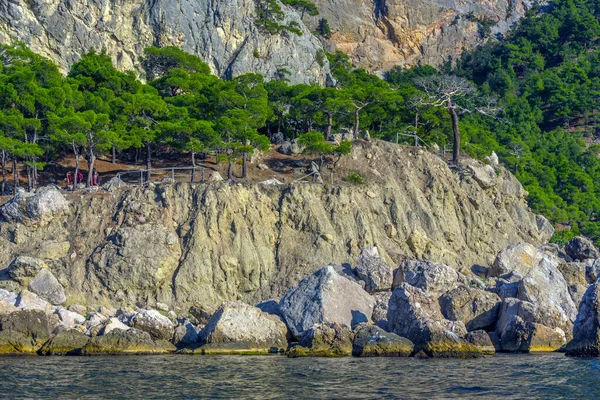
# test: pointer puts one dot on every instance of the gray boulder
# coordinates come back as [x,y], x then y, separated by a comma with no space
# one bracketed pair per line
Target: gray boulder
[69,319]
[477,308]
[325,297]
[586,331]
[481,339]
[185,334]
[581,248]
[8,297]
[69,342]
[592,271]
[47,287]
[374,271]
[202,313]
[573,272]
[382,301]
[30,301]
[324,340]
[31,323]
[39,207]
[131,341]
[520,258]
[240,328]
[520,329]
[372,341]
[112,324]
[433,278]
[483,174]
[416,316]
[23,269]
[153,322]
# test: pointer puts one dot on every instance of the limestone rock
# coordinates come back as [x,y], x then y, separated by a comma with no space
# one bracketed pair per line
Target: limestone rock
[433,278]
[69,342]
[244,329]
[31,323]
[23,269]
[325,297]
[113,324]
[153,322]
[592,272]
[131,341]
[215,177]
[372,341]
[69,319]
[382,300]
[520,258]
[481,339]
[414,315]
[31,301]
[573,272]
[477,308]
[8,297]
[483,174]
[39,207]
[47,287]
[53,250]
[581,248]
[185,334]
[16,343]
[577,292]
[373,269]
[6,307]
[324,340]
[202,313]
[586,331]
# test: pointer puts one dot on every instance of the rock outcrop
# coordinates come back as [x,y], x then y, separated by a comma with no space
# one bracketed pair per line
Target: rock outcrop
[238,328]
[325,297]
[324,340]
[586,332]
[581,248]
[379,35]
[185,245]
[222,32]
[372,341]
[374,271]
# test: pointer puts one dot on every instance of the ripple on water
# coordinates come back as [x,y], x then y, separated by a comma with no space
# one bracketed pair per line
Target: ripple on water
[165,377]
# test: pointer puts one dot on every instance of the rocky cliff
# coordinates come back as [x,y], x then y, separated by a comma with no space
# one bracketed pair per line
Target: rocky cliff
[221,32]
[376,34]
[203,244]
[381,34]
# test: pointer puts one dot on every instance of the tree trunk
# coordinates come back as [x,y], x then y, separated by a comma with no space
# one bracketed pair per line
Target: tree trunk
[356,123]
[29,178]
[456,130]
[329,125]
[15,174]
[136,159]
[193,158]
[114,155]
[230,171]
[75,181]
[3,172]
[91,163]
[148,158]
[244,166]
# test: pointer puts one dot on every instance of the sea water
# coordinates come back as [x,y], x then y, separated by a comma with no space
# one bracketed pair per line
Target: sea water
[544,376]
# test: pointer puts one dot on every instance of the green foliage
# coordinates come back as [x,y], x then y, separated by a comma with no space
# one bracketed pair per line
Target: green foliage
[158,61]
[323,28]
[355,178]
[270,15]
[303,6]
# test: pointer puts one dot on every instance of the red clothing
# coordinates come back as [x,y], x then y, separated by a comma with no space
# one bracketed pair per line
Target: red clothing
[79,177]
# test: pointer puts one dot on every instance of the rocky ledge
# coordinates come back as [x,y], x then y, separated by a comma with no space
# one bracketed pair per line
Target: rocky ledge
[530,299]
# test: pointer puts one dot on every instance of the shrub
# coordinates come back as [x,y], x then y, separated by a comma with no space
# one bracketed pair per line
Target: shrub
[356,178]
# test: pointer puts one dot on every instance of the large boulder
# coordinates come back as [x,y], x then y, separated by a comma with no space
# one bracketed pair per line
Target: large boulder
[202,313]
[324,340]
[433,278]
[16,343]
[481,339]
[31,323]
[47,287]
[185,334]
[374,271]
[240,328]
[581,248]
[30,301]
[416,316]
[153,322]
[325,297]
[586,331]
[477,308]
[520,328]
[69,342]
[131,341]
[39,207]
[483,174]
[520,258]
[23,269]
[382,301]
[372,341]
[69,319]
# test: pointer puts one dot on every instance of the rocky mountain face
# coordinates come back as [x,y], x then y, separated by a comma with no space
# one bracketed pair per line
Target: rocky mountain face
[376,34]
[185,245]
[381,34]
[221,32]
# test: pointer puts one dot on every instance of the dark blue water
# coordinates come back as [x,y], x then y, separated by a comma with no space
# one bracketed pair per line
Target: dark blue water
[165,377]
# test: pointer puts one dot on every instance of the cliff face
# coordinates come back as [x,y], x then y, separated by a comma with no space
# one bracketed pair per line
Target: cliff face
[221,32]
[380,34]
[376,34]
[184,245]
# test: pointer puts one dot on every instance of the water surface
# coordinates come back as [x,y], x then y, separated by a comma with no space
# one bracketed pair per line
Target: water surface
[240,377]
